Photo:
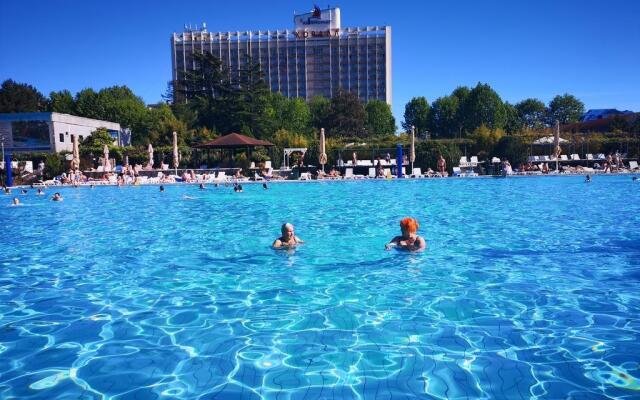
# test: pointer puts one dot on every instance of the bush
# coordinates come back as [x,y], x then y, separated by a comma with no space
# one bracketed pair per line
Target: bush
[513,148]
[428,152]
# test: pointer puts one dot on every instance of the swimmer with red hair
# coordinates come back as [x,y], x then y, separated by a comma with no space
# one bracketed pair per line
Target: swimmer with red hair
[409,240]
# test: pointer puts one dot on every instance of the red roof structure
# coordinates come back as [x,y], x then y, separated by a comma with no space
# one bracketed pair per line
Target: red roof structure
[234,141]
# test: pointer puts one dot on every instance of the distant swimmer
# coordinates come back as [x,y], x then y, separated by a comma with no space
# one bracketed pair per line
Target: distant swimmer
[7,190]
[161,188]
[57,197]
[409,240]
[184,196]
[202,186]
[23,191]
[16,201]
[588,178]
[264,186]
[92,186]
[237,188]
[288,237]
[39,192]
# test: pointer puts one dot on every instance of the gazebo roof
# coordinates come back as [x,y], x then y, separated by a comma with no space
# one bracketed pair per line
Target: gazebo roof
[234,140]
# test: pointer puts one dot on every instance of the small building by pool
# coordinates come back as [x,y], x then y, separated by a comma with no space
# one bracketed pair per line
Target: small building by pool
[52,132]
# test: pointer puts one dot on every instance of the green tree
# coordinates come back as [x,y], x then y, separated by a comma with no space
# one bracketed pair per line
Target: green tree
[483,106]
[98,139]
[462,94]
[119,104]
[380,121]
[319,108]
[289,114]
[532,113]
[62,102]
[161,125]
[416,113]
[88,104]
[513,122]
[565,108]
[346,116]
[20,97]
[443,119]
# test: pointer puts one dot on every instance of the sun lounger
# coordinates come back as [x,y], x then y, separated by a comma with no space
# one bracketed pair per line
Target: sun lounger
[633,165]
[348,173]
[589,156]
[495,160]
[563,157]
[417,173]
[463,162]
[474,161]
[575,157]
[305,176]
[456,171]
[372,173]
[601,156]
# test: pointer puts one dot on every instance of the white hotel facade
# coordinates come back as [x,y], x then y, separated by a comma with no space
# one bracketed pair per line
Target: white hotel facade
[317,57]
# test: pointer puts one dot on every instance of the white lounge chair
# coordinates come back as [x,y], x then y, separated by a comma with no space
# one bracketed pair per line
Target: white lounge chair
[305,176]
[267,165]
[601,156]
[563,157]
[417,173]
[633,165]
[589,156]
[457,171]
[575,157]
[222,176]
[474,161]
[463,162]
[496,160]
[372,173]
[348,173]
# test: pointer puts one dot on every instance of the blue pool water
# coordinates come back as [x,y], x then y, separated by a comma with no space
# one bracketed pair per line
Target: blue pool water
[529,289]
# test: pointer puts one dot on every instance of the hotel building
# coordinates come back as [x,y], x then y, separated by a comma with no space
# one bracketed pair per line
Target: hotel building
[317,57]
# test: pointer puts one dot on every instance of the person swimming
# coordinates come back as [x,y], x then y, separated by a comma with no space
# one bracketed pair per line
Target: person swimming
[23,191]
[287,238]
[16,201]
[202,186]
[161,188]
[40,192]
[237,188]
[264,186]
[409,240]
[57,197]
[587,178]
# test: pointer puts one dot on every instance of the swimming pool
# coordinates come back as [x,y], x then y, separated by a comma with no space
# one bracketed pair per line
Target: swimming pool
[528,288]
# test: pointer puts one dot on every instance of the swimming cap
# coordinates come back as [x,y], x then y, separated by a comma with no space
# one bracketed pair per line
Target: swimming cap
[410,224]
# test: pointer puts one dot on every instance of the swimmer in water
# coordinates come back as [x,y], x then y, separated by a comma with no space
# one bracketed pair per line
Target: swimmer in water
[23,191]
[202,186]
[288,237]
[264,186]
[635,178]
[16,201]
[57,197]
[161,188]
[409,240]
[588,178]
[237,188]
[40,192]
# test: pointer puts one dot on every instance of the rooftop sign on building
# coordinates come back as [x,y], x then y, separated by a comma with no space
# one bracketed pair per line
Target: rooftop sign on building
[318,20]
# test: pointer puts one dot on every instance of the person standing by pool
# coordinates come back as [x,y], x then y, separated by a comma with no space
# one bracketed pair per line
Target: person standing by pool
[354,158]
[409,240]
[442,165]
[288,237]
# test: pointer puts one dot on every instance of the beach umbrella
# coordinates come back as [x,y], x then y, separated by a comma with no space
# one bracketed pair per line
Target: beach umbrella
[150,151]
[412,154]
[75,161]
[556,143]
[105,161]
[323,150]
[176,157]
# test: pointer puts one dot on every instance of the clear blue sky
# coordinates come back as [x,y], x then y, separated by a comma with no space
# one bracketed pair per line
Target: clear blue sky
[522,49]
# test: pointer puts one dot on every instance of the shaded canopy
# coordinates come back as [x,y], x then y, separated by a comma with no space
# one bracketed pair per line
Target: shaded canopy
[234,140]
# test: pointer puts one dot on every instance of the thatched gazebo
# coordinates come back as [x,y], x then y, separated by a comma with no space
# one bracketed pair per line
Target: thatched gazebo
[232,143]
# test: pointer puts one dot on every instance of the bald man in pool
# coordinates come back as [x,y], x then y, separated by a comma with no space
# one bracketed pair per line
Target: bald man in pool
[409,240]
[288,237]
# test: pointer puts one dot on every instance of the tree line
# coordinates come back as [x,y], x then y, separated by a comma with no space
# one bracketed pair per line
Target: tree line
[465,110]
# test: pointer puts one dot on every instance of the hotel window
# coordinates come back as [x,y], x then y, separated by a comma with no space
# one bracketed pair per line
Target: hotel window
[62,138]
